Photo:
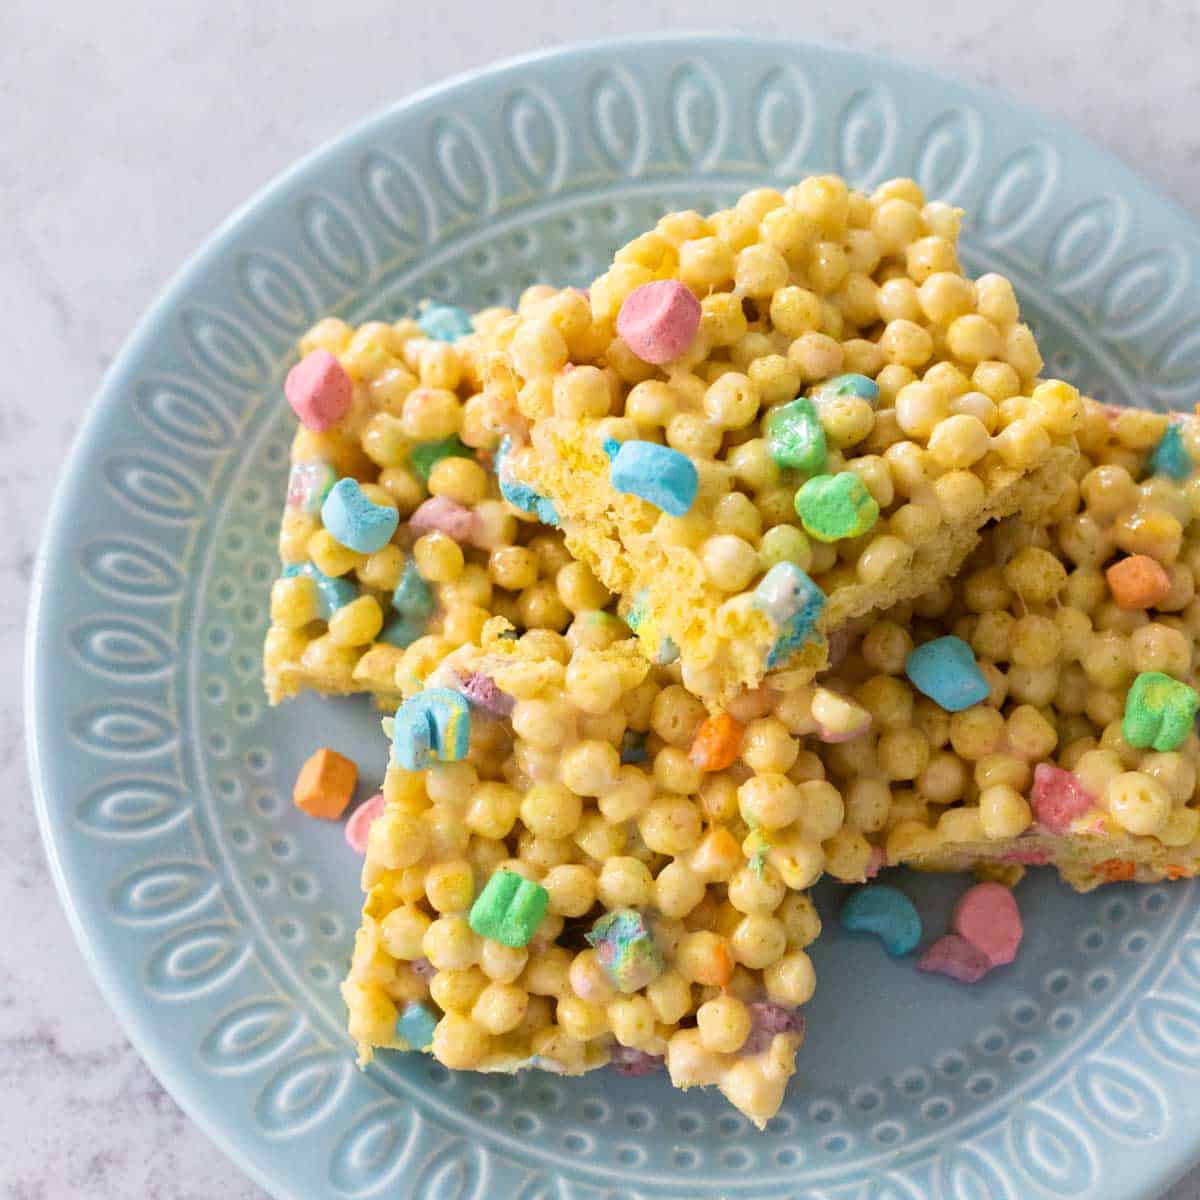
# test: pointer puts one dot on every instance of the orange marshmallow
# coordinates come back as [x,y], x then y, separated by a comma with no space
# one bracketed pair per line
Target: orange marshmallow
[1138,581]
[717,743]
[325,785]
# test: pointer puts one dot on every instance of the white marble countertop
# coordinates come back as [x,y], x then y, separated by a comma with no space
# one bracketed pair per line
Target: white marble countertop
[131,129]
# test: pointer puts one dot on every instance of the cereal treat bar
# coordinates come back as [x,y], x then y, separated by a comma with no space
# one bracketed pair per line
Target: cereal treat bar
[396,544]
[564,875]
[1040,707]
[766,422]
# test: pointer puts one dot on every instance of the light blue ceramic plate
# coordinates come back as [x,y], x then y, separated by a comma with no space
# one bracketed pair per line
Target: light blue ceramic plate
[218,920]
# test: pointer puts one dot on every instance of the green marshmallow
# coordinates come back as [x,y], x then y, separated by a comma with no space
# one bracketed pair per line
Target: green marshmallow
[1159,712]
[795,437]
[426,455]
[509,909]
[833,507]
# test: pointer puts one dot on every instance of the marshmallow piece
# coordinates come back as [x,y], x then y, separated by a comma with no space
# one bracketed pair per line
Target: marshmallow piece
[509,909]
[945,670]
[795,437]
[426,455]
[332,593]
[768,1019]
[626,949]
[309,484]
[361,819]
[833,507]
[861,386]
[1138,582]
[434,726]
[1170,456]
[416,1024]
[953,955]
[1159,712]
[444,516]
[988,917]
[658,474]
[887,913]
[658,321]
[444,322]
[356,522]
[1058,797]
[319,390]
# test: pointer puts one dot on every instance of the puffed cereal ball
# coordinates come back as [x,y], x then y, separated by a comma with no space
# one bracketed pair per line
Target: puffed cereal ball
[1138,803]
[724,1024]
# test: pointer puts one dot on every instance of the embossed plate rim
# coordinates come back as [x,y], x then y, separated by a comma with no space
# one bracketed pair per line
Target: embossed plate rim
[121,992]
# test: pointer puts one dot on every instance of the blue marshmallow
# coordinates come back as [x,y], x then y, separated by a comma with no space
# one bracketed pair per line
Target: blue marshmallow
[444,322]
[413,597]
[945,670]
[416,1024]
[401,631]
[1170,456]
[332,593]
[861,386]
[355,521]
[434,726]
[664,477]
[887,913]
[521,495]
[793,603]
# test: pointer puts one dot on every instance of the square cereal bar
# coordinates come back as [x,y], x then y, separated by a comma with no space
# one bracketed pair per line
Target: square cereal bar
[555,883]
[769,421]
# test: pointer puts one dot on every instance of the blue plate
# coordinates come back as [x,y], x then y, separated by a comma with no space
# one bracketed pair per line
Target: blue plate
[218,920]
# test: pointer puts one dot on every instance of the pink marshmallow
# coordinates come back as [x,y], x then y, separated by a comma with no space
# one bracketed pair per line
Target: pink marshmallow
[359,826]
[658,321]
[319,390]
[1059,797]
[444,516]
[953,955]
[988,917]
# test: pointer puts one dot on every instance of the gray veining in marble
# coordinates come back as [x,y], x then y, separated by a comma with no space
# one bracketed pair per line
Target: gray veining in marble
[130,128]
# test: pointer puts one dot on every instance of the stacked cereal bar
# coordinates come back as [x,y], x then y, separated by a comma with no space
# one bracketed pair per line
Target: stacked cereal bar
[1082,752]
[777,418]
[556,882]
[396,544]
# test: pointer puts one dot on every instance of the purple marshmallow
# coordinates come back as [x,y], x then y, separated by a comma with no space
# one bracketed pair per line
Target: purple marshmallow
[481,690]
[766,1020]
[627,1061]
[424,968]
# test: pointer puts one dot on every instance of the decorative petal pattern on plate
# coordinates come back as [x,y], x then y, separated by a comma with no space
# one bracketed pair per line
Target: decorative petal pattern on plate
[162,892]
[132,570]
[699,114]
[122,647]
[948,153]
[302,1093]
[134,806]
[1176,366]
[1052,1152]
[1122,1099]
[1085,240]
[1019,188]
[399,199]
[249,1035]
[458,1171]
[189,418]
[378,1145]
[782,118]
[124,729]
[537,135]
[865,137]
[276,292]
[334,239]
[1141,291]
[967,1174]
[222,348]
[1170,1026]
[619,121]
[153,486]
[462,164]
[196,959]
